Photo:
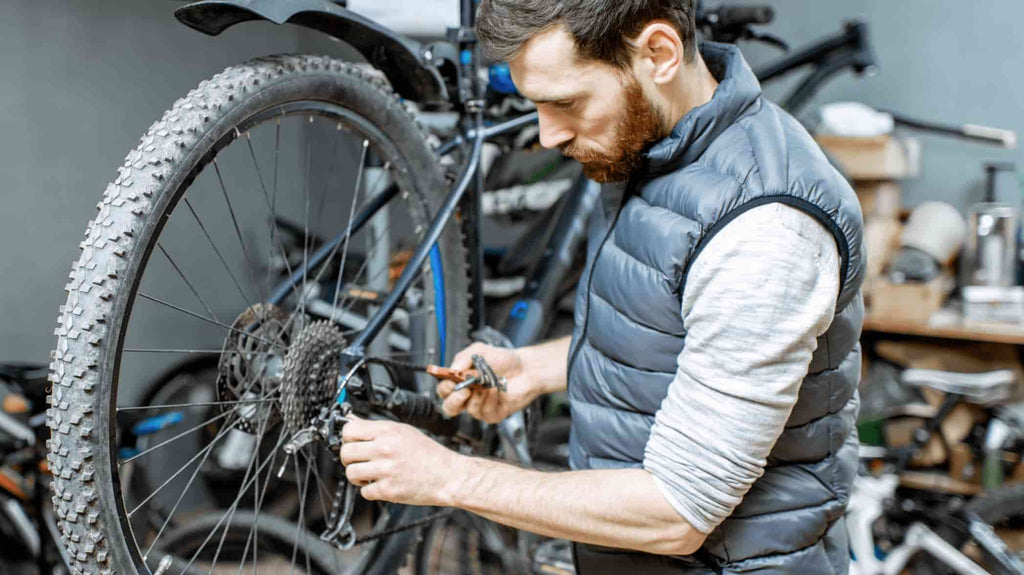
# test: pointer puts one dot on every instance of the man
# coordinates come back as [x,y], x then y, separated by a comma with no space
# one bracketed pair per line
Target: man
[713,370]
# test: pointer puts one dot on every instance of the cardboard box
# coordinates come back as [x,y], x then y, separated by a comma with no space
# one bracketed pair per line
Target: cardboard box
[881,241]
[879,198]
[877,158]
[912,302]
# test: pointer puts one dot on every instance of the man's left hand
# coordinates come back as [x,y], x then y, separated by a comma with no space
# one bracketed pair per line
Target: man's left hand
[396,462]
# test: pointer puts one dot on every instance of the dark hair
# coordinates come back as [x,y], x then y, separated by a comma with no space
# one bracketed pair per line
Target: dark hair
[599,27]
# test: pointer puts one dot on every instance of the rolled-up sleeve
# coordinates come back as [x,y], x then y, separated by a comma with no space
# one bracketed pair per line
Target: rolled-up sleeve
[755,301]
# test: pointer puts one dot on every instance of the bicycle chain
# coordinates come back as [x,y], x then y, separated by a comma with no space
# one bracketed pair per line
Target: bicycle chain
[339,530]
[342,534]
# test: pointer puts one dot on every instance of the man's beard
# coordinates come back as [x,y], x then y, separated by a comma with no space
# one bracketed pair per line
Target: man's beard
[639,124]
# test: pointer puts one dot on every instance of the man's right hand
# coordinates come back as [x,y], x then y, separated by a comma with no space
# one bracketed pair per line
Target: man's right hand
[490,405]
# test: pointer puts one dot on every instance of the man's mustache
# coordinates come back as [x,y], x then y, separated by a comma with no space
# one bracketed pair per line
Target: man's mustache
[581,155]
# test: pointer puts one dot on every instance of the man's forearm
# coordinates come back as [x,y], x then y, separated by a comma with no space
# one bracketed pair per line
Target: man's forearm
[546,363]
[615,508]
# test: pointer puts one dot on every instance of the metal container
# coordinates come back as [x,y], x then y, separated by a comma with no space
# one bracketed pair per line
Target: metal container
[992,245]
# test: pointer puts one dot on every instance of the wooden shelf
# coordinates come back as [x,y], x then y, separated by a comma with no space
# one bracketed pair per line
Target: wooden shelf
[949,324]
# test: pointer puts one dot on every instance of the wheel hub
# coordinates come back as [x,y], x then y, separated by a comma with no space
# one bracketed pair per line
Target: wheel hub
[252,363]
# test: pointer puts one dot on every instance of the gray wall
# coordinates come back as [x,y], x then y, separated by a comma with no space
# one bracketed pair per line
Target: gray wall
[943,60]
[82,82]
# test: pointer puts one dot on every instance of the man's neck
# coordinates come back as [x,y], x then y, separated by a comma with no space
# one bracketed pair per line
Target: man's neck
[695,86]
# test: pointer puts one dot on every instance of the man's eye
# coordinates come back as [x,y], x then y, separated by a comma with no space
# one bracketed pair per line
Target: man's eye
[565,104]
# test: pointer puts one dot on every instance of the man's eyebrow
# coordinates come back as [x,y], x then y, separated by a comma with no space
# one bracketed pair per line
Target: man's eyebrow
[555,98]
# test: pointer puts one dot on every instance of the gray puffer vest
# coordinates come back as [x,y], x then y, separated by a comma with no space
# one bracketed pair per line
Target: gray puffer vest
[736,152]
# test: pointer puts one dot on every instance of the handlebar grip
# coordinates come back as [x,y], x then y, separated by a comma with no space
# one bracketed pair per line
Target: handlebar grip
[744,15]
[421,411]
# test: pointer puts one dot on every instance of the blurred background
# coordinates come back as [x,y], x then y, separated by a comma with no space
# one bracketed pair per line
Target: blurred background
[83,81]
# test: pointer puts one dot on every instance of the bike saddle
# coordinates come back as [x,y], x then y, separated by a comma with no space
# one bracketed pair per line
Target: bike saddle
[983,388]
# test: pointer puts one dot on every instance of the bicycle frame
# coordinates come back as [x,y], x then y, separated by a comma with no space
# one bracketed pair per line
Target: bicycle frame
[829,56]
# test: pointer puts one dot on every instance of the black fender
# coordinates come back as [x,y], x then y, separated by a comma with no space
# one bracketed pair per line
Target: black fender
[400,59]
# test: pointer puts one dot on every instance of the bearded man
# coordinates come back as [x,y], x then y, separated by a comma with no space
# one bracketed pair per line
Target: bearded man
[713,370]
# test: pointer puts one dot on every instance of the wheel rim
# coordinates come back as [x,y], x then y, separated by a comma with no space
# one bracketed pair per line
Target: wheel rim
[433,289]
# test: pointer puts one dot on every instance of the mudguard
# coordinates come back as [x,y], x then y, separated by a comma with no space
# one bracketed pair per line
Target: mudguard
[400,59]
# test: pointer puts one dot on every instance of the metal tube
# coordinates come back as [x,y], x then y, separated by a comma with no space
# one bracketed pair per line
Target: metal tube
[419,257]
[489,132]
[285,287]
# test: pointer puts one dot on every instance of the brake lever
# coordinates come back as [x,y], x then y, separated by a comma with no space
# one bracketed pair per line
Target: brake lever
[770,39]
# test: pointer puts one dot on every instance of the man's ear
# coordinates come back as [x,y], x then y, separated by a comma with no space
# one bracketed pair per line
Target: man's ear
[658,52]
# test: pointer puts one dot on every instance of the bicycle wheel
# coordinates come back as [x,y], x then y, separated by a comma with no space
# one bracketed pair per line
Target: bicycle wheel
[169,266]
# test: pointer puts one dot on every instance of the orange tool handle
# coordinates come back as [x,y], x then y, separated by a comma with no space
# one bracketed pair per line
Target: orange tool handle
[456,375]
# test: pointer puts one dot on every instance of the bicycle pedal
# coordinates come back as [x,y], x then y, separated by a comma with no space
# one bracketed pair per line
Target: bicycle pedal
[553,557]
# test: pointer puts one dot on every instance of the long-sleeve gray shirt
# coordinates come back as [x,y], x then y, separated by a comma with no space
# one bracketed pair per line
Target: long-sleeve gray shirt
[754,303]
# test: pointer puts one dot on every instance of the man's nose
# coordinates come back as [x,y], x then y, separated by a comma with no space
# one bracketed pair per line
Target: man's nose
[553,133]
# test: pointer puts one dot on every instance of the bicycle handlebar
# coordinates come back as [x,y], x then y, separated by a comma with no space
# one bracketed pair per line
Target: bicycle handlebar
[736,16]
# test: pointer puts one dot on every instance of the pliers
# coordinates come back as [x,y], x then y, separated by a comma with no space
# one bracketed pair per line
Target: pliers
[482,375]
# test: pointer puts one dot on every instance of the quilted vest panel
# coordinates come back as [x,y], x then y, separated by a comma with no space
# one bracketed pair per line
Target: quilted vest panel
[736,152]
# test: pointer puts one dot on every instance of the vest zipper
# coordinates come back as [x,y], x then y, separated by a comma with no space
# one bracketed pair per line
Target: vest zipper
[590,278]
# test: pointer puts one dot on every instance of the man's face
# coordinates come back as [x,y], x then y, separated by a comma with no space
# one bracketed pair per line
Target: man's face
[591,111]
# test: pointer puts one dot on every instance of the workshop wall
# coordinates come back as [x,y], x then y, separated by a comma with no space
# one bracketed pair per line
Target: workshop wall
[942,60]
[81,83]
[83,80]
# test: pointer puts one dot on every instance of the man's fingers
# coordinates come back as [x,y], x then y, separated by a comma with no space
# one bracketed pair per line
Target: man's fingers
[445,387]
[357,451]
[372,492]
[358,430]
[360,474]
[464,359]
[475,403]
[455,402]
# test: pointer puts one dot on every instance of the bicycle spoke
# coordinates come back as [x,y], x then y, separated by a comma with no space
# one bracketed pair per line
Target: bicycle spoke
[259,172]
[176,437]
[192,478]
[261,429]
[271,205]
[254,529]
[305,230]
[366,262]
[334,250]
[263,186]
[233,506]
[372,279]
[205,404]
[224,431]
[351,214]
[234,221]
[330,169]
[323,494]
[206,319]
[238,498]
[299,527]
[185,279]
[181,496]
[220,256]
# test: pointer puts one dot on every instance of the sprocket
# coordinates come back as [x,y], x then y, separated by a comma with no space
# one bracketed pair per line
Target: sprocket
[311,370]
